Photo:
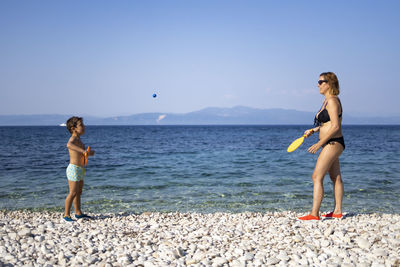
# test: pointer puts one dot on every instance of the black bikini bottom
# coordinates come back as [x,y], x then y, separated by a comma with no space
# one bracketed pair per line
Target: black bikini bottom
[340,140]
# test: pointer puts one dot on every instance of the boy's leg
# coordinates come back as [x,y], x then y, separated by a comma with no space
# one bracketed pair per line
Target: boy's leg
[77,199]
[73,189]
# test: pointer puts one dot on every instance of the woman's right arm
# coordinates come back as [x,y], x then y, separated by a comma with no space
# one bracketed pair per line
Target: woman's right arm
[309,132]
[316,129]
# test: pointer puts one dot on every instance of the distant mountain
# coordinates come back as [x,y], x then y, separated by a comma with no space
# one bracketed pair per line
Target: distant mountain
[22,120]
[207,116]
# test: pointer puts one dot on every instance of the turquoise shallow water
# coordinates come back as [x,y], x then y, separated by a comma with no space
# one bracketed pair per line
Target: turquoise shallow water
[196,168]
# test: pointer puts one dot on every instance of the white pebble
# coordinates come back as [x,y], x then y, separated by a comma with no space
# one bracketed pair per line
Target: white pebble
[363,243]
[328,231]
[272,261]
[24,232]
[380,252]
[219,261]
[325,243]
[12,235]
[249,256]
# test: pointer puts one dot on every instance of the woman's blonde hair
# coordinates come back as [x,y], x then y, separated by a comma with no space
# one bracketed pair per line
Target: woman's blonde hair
[332,81]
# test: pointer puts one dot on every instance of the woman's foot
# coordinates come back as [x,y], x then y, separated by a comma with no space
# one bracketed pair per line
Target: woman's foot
[333,215]
[309,217]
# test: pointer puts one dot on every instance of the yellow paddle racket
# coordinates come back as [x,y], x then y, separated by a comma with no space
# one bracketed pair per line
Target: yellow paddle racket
[296,143]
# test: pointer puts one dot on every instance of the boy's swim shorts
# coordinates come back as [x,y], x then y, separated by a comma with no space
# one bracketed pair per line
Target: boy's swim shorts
[75,173]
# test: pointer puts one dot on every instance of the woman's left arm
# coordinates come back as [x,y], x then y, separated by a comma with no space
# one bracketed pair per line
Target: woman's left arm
[333,108]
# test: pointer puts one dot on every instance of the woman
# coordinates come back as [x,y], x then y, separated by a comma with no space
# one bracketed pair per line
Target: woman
[328,122]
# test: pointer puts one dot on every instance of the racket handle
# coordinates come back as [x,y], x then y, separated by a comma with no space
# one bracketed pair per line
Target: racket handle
[86,156]
[311,130]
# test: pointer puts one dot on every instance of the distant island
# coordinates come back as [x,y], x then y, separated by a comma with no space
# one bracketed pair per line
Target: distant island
[239,115]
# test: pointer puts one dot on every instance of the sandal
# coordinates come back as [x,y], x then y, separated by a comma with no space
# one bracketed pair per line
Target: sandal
[332,215]
[81,216]
[309,217]
[68,219]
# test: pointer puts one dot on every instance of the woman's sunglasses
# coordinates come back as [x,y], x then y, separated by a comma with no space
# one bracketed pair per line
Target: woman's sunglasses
[322,81]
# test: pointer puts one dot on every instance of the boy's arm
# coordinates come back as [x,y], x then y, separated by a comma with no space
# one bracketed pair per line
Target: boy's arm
[72,146]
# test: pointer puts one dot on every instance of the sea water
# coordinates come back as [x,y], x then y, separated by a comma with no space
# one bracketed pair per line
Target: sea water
[197,169]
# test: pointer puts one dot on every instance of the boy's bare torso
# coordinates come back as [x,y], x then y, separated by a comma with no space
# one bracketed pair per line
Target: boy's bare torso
[76,157]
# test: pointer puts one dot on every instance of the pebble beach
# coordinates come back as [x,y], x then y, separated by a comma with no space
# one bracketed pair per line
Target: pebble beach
[194,239]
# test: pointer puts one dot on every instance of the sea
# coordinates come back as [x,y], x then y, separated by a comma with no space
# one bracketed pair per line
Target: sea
[205,169]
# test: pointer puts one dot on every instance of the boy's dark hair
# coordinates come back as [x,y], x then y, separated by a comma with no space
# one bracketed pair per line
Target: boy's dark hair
[73,122]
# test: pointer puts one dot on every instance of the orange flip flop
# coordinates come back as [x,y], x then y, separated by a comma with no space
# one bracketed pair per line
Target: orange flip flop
[309,217]
[332,215]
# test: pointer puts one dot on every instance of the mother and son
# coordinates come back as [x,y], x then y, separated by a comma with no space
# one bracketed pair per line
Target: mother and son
[328,122]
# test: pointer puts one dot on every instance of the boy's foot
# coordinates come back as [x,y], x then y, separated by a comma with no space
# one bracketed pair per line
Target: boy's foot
[68,219]
[309,217]
[81,216]
[332,215]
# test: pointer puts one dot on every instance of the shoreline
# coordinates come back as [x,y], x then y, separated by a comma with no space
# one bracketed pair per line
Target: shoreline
[198,239]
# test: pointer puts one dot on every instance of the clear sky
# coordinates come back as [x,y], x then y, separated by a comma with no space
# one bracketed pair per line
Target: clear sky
[107,58]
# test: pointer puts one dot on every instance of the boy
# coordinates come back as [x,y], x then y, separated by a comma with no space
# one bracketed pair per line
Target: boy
[75,170]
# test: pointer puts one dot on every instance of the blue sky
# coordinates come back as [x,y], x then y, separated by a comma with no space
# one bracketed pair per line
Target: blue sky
[107,58]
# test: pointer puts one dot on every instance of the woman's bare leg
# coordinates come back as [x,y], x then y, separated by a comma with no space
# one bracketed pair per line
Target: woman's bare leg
[338,189]
[329,154]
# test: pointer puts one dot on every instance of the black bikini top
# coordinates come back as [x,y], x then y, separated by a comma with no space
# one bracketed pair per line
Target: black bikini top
[323,115]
